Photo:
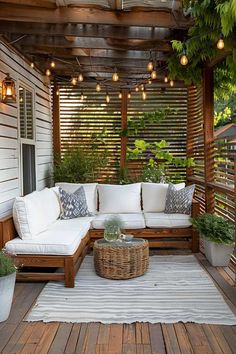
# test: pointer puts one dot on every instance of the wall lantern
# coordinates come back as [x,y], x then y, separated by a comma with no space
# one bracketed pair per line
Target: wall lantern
[8,90]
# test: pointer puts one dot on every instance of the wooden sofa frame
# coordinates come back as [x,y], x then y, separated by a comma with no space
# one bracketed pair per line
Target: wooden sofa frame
[184,238]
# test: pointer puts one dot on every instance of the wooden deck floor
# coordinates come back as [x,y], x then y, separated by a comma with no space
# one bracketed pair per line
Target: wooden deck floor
[17,336]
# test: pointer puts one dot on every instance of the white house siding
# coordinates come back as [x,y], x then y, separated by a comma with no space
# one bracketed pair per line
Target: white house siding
[10,180]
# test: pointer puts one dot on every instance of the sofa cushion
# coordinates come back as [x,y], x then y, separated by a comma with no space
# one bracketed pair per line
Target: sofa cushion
[29,216]
[73,205]
[130,220]
[154,196]
[61,238]
[50,204]
[179,201]
[90,192]
[119,199]
[162,220]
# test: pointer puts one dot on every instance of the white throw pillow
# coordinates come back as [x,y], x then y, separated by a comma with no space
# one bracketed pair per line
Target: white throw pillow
[50,205]
[90,192]
[29,216]
[119,199]
[154,196]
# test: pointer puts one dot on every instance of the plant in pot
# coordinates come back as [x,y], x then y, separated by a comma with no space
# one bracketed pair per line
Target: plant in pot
[7,284]
[219,237]
[112,229]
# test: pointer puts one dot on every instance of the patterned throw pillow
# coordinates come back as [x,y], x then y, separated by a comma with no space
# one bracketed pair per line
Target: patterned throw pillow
[73,205]
[179,201]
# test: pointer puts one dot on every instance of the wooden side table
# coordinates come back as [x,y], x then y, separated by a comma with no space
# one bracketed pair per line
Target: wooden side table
[120,259]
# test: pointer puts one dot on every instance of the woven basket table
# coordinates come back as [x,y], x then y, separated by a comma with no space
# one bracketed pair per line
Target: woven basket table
[120,259]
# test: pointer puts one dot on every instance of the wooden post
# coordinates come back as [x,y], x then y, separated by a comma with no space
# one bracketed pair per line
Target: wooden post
[56,122]
[190,121]
[124,139]
[208,127]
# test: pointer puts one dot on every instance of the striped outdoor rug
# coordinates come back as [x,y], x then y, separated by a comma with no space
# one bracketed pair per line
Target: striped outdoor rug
[175,288]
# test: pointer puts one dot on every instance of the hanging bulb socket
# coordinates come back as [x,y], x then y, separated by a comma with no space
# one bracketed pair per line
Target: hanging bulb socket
[32,64]
[142,87]
[74,81]
[129,94]
[153,74]
[166,79]
[184,58]
[80,77]
[107,97]
[120,94]
[150,66]
[115,76]
[82,96]
[98,87]
[48,72]
[137,88]
[172,83]
[52,64]
[221,44]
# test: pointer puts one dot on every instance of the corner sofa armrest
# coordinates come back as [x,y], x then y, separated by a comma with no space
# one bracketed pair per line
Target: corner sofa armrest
[7,230]
[195,208]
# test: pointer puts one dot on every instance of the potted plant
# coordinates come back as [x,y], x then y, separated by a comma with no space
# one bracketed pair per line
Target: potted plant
[219,237]
[112,229]
[7,284]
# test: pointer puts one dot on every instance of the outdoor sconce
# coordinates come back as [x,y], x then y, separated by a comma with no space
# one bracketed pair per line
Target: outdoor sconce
[8,90]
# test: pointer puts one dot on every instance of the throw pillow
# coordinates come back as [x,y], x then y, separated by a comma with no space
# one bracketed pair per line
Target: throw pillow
[73,205]
[179,201]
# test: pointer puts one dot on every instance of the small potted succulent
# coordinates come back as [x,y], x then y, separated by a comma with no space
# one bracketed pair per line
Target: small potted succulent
[219,238]
[7,284]
[112,229]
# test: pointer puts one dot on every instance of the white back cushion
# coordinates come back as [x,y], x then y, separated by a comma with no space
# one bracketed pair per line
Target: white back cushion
[154,196]
[90,192]
[50,204]
[29,216]
[119,199]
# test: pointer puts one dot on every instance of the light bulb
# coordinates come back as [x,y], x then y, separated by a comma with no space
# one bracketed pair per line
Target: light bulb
[115,76]
[32,65]
[144,95]
[53,64]
[98,87]
[57,92]
[80,77]
[142,87]
[150,66]
[9,91]
[153,74]
[107,98]
[166,79]
[171,83]
[120,95]
[48,72]
[184,59]
[74,81]
[137,88]
[220,44]
[129,94]
[149,81]
[82,96]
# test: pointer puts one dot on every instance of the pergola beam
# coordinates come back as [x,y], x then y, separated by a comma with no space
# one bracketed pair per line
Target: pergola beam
[64,15]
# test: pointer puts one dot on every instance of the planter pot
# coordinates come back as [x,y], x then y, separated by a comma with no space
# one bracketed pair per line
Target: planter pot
[218,255]
[7,285]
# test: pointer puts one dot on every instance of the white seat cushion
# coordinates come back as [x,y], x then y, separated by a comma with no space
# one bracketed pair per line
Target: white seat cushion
[162,220]
[154,196]
[119,199]
[90,190]
[130,220]
[61,238]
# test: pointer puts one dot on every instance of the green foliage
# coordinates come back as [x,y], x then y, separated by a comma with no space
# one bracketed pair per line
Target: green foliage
[211,17]
[134,126]
[215,228]
[223,117]
[113,224]
[80,165]
[7,266]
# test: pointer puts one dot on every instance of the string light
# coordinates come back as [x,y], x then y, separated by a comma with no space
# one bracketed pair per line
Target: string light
[166,79]
[129,94]
[184,58]
[150,66]
[57,92]
[32,64]
[107,97]
[149,81]
[153,74]
[137,88]
[172,83]
[120,94]
[115,76]
[144,94]
[220,44]
[52,64]
[74,81]
[48,72]
[82,96]
[80,77]
[142,87]
[98,87]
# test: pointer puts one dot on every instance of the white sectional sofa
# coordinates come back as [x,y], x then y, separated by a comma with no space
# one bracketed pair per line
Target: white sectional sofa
[42,239]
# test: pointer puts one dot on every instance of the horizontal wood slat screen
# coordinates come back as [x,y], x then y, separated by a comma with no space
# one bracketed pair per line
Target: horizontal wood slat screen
[79,120]
[172,128]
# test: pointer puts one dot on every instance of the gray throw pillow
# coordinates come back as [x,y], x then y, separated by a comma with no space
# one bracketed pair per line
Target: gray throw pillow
[73,205]
[179,201]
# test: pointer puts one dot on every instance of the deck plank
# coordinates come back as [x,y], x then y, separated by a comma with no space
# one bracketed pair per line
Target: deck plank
[171,341]
[60,340]
[156,339]
[73,338]
[183,339]
[198,338]
[115,339]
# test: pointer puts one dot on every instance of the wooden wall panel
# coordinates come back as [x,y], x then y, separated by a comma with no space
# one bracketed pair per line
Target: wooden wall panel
[10,187]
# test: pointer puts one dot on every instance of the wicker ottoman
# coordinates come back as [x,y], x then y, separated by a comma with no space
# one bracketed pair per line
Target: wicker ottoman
[121,260]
